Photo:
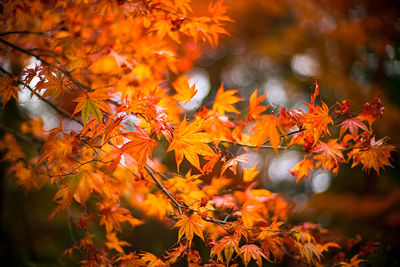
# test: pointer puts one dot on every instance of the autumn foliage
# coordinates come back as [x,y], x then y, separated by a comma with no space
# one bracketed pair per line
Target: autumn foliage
[114,73]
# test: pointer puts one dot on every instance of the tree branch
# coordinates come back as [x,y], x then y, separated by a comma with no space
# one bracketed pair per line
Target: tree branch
[24,51]
[32,141]
[48,102]
[21,32]
[164,190]
[253,146]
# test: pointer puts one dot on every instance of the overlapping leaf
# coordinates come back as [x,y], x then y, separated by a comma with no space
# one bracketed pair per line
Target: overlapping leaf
[189,142]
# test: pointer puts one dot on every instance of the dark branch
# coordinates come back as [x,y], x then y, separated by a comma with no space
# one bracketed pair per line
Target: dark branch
[164,190]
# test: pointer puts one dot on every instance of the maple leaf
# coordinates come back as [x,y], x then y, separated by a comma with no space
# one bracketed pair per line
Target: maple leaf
[325,247]
[114,243]
[352,124]
[55,85]
[233,162]
[254,106]
[250,174]
[344,107]
[372,155]
[224,101]
[317,120]
[130,259]
[87,183]
[372,110]
[173,256]
[8,89]
[152,260]
[140,146]
[92,103]
[112,215]
[184,92]
[271,243]
[249,251]
[189,142]
[34,126]
[267,128]
[189,226]
[315,93]
[354,262]
[13,150]
[250,213]
[157,205]
[217,125]
[310,252]
[331,149]
[303,169]
[228,244]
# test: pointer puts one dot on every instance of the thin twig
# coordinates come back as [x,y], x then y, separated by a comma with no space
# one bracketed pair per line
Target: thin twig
[164,190]
[48,102]
[24,51]
[72,231]
[32,141]
[252,146]
[65,72]
[21,32]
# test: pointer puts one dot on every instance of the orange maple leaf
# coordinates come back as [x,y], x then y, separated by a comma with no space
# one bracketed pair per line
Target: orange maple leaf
[140,147]
[354,262]
[8,89]
[188,141]
[249,251]
[255,108]
[373,155]
[55,85]
[317,120]
[315,94]
[113,242]
[190,226]
[184,92]
[267,128]
[228,244]
[130,259]
[271,243]
[303,169]
[152,260]
[224,101]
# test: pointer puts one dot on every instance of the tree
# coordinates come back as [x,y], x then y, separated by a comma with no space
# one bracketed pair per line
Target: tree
[114,73]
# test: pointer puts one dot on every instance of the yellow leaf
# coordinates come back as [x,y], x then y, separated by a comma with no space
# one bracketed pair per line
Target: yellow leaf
[254,106]
[183,89]
[224,101]
[190,226]
[250,174]
[188,141]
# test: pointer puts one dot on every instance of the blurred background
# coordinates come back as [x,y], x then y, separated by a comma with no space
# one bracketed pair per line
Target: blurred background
[280,47]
